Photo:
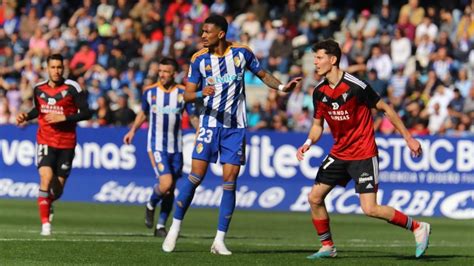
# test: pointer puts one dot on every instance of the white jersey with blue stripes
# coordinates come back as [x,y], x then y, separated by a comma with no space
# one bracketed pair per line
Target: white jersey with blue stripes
[226,108]
[164,109]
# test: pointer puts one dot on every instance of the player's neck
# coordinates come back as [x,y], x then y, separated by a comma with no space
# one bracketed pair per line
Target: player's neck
[169,85]
[220,49]
[334,76]
[54,84]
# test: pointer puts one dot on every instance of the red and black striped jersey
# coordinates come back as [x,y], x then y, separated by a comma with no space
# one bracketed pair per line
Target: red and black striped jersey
[67,99]
[347,110]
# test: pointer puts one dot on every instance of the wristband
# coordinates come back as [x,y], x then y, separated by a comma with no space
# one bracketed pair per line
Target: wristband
[199,94]
[281,87]
[308,142]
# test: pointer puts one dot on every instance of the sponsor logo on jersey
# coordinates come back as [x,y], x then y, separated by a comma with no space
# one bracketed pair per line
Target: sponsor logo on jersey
[51,101]
[227,78]
[208,68]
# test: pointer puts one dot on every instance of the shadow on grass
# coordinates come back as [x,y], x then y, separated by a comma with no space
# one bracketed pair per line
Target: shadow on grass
[385,254]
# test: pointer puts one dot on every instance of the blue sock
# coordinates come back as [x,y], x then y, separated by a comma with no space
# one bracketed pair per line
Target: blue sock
[186,194]
[227,206]
[155,197]
[166,207]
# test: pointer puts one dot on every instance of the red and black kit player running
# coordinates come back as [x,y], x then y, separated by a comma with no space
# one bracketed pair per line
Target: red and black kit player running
[345,103]
[59,104]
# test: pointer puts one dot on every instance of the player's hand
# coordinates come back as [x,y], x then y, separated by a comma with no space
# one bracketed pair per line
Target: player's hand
[54,118]
[415,147]
[127,139]
[21,118]
[292,84]
[301,151]
[208,91]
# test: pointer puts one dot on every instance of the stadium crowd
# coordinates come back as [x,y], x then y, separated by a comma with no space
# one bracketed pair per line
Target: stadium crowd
[417,54]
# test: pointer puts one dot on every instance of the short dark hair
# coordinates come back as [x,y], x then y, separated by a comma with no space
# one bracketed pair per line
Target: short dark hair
[331,47]
[55,57]
[219,21]
[169,61]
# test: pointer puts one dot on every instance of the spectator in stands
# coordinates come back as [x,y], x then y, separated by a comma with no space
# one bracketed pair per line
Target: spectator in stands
[380,62]
[400,49]
[82,60]
[280,52]
[413,11]
[123,116]
[408,28]
[397,88]
[427,27]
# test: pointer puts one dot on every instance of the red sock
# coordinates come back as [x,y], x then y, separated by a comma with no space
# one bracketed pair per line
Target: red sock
[43,205]
[324,232]
[404,221]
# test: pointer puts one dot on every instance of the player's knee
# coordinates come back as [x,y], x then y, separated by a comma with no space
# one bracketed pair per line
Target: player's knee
[57,193]
[315,199]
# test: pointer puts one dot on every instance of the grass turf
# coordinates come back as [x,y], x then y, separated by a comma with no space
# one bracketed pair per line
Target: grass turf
[86,233]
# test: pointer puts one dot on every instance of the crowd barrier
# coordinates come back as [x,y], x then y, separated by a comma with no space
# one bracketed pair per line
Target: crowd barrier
[440,183]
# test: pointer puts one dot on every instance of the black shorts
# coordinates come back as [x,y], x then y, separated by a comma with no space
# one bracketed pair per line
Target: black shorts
[365,173]
[60,160]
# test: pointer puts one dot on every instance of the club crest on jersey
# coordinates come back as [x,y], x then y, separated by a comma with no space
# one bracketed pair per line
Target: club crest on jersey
[237,61]
[208,68]
[199,148]
[51,101]
[180,98]
[161,167]
[344,96]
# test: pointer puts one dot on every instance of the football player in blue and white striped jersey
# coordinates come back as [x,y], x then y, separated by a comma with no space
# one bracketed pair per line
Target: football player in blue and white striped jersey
[216,81]
[163,104]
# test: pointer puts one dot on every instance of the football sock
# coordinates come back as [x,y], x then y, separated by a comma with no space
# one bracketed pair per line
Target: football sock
[186,194]
[324,232]
[44,203]
[404,221]
[166,207]
[219,236]
[227,206]
[155,197]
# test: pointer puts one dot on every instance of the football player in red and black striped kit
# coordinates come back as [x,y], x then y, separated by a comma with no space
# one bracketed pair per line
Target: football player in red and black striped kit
[345,103]
[59,104]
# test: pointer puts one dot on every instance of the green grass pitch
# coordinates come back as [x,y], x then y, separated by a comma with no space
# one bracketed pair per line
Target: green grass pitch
[86,233]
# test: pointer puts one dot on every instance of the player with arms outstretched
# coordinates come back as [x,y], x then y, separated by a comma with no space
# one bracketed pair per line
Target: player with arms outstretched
[59,104]
[216,81]
[345,103]
[163,105]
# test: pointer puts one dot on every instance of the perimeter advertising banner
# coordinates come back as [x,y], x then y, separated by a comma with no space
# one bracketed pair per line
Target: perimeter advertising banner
[440,183]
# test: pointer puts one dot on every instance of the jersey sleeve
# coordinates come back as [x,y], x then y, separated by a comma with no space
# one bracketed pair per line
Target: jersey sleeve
[80,100]
[369,96]
[34,112]
[194,75]
[252,62]
[145,104]
[318,112]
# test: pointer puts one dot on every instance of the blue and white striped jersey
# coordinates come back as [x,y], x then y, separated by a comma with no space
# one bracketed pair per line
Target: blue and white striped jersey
[226,108]
[164,109]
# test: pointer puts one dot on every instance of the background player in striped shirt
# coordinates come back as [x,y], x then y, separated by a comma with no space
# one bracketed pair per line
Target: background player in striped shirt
[58,104]
[216,81]
[345,103]
[163,104]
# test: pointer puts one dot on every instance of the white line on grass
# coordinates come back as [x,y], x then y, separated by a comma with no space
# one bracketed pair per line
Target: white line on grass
[440,244]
